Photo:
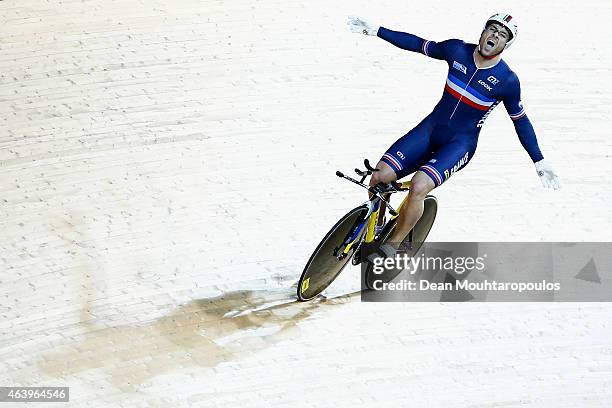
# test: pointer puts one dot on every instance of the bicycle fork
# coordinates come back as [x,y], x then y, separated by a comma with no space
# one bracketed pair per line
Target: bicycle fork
[353,237]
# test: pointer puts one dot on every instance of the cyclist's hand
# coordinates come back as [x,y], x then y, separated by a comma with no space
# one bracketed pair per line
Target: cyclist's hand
[547,175]
[357,25]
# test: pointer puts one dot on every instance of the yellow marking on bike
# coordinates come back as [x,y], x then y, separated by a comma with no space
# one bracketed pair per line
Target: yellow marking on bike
[348,247]
[305,284]
[371,231]
[404,201]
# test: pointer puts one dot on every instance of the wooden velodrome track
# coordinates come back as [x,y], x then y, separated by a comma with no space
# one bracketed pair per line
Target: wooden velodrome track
[167,166]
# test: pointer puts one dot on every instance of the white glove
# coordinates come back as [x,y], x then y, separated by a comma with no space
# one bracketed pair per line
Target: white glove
[357,25]
[547,175]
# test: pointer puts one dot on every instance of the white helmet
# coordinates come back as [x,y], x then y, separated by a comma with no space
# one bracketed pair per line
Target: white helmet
[507,21]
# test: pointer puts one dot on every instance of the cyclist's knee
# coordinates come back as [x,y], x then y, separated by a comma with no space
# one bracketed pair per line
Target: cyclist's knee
[380,178]
[420,186]
[385,174]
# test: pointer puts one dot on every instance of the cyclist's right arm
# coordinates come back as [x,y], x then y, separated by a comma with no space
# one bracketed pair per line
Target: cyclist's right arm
[410,42]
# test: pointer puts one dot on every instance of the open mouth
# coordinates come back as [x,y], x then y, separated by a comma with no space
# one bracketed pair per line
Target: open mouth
[490,43]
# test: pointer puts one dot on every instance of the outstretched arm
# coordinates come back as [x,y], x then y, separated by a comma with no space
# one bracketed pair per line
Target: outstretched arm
[413,43]
[522,125]
[526,134]
[402,40]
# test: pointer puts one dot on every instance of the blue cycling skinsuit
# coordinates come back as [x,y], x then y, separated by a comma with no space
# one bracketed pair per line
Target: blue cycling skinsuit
[445,141]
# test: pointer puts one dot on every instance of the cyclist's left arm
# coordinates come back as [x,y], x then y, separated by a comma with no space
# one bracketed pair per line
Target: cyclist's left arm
[526,134]
[522,125]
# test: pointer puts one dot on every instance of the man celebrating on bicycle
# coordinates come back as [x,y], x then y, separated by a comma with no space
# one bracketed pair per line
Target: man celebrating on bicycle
[445,141]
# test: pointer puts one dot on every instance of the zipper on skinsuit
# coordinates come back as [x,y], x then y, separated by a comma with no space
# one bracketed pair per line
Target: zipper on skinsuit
[461,96]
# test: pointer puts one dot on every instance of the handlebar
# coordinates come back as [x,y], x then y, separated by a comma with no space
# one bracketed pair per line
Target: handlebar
[364,173]
[378,190]
[366,162]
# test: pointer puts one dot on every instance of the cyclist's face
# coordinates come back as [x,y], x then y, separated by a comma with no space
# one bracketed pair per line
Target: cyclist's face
[493,39]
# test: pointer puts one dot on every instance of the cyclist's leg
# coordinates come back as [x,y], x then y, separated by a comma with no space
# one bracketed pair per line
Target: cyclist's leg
[412,210]
[444,162]
[404,156]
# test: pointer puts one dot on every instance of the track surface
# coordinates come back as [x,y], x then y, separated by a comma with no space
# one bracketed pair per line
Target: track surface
[153,152]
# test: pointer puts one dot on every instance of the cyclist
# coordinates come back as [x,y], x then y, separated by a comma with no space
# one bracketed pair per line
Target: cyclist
[444,142]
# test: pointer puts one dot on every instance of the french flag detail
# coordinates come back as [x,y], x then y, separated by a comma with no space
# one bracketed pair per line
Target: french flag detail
[467,94]
[433,173]
[517,116]
[424,47]
[393,161]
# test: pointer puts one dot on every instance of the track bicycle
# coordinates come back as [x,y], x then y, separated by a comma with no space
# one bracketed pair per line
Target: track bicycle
[359,233]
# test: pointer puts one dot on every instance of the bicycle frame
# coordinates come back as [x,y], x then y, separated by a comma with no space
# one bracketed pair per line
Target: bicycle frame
[369,222]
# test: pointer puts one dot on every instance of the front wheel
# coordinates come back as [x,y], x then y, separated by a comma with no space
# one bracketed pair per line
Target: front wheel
[326,262]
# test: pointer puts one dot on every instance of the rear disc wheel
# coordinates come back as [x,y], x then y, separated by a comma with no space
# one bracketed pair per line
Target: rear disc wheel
[413,241]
